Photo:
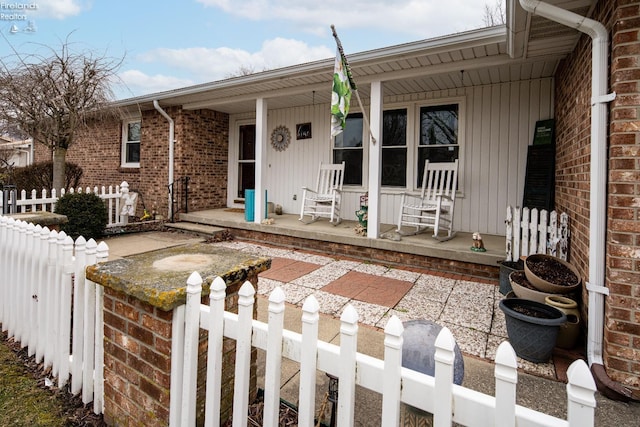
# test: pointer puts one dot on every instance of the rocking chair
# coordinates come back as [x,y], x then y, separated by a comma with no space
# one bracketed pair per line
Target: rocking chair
[434,207]
[324,201]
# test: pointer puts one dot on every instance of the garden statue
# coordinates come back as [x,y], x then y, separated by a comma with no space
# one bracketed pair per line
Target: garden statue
[478,246]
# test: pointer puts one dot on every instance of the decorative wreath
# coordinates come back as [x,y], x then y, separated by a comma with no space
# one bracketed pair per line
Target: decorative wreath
[280,138]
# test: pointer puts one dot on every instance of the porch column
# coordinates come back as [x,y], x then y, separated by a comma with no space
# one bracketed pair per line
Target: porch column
[375,161]
[261,153]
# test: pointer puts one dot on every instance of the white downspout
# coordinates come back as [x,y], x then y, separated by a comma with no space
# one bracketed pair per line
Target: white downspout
[171,155]
[598,194]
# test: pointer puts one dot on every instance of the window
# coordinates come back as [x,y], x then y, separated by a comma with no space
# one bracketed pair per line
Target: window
[131,144]
[411,134]
[348,148]
[438,136]
[394,148]
[246,159]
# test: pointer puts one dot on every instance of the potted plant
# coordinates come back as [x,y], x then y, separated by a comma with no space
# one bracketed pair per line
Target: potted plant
[532,327]
[551,274]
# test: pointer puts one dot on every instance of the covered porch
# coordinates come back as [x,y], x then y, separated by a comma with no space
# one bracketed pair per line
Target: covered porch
[418,251]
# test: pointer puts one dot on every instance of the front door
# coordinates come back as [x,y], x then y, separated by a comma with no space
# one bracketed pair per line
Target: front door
[247,159]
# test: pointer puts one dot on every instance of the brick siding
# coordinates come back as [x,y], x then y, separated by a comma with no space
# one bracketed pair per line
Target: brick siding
[573,115]
[137,361]
[200,151]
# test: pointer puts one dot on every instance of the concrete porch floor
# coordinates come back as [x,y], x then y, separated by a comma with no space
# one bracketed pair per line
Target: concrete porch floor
[457,249]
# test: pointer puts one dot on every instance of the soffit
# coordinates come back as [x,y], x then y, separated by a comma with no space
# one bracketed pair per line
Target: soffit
[533,36]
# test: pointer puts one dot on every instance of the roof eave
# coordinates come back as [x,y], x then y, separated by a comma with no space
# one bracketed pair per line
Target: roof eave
[473,38]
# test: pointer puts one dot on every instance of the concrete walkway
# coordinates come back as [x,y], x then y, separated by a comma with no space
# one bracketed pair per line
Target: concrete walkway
[467,307]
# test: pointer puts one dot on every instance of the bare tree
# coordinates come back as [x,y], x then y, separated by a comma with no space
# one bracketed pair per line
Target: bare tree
[52,97]
[244,70]
[494,15]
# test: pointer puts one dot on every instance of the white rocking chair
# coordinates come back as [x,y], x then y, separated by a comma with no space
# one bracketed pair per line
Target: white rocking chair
[434,207]
[324,201]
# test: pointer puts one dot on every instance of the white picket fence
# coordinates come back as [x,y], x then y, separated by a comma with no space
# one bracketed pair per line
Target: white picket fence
[48,306]
[437,395]
[530,231]
[114,198]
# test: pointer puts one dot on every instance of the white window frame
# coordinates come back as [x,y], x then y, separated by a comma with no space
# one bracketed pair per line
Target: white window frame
[125,141]
[461,102]
[365,154]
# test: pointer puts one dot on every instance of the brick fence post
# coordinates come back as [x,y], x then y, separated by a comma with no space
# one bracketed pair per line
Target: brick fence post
[140,302]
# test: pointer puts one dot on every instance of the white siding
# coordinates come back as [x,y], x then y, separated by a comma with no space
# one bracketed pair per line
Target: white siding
[498,125]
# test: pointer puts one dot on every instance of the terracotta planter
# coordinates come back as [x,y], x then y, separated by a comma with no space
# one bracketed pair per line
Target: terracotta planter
[532,328]
[556,264]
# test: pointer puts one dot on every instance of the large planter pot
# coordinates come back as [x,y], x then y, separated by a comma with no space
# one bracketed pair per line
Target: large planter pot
[506,268]
[551,274]
[570,331]
[532,327]
[519,282]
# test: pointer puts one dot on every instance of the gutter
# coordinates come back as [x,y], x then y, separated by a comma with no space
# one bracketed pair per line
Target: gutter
[156,105]
[598,194]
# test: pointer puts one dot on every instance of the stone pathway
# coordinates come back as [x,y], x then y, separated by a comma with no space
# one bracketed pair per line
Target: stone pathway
[467,306]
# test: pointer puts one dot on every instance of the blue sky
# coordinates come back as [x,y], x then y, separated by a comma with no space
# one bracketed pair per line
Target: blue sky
[172,44]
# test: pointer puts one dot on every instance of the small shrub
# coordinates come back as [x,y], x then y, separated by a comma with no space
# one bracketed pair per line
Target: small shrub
[86,213]
[38,176]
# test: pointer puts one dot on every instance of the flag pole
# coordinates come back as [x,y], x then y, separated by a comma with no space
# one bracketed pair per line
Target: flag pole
[352,82]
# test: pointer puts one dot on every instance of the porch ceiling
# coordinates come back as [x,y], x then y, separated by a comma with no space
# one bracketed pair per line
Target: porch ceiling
[528,47]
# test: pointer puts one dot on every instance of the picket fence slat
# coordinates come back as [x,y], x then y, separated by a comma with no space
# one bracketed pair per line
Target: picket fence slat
[450,403]
[274,361]
[392,371]
[529,231]
[44,297]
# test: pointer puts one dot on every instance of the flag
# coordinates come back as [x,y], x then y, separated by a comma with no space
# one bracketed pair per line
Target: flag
[340,95]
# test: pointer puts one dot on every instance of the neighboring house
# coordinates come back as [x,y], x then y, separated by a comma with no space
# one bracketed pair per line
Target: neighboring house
[491,86]
[16,152]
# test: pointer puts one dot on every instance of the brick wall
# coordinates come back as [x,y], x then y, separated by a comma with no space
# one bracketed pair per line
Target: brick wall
[200,151]
[97,151]
[622,321]
[202,155]
[573,115]
[137,361]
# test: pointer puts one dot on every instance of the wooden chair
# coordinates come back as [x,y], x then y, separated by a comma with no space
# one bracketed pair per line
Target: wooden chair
[324,201]
[435,205]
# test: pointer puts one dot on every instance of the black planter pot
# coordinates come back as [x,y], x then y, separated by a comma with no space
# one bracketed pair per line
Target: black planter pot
[506,268]
[532,337]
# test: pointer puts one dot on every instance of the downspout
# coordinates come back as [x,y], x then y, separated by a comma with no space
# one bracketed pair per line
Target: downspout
[598,195]
[171,155]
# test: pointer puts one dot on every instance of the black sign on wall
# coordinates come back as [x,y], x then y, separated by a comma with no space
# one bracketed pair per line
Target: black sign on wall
[539,185]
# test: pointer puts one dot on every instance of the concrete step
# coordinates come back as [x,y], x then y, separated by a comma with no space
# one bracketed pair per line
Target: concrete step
[199,229]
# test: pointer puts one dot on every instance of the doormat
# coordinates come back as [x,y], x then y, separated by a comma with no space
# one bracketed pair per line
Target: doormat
[239,210]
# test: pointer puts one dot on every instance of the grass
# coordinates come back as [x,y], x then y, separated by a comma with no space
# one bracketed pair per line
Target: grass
[22,402]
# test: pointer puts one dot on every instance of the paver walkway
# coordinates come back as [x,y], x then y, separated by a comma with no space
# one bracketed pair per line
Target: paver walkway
[467,306]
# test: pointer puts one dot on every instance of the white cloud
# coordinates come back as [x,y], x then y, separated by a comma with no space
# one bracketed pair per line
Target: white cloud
[210,64]
[420,18]
[135,82]
[59,9]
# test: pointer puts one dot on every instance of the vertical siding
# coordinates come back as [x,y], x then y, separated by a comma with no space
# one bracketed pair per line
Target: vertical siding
[498,126]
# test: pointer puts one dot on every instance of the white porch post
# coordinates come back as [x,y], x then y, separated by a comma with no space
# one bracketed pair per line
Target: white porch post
[375,162]
[261,153]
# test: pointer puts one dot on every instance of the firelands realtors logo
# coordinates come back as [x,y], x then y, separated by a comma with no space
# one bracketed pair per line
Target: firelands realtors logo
[18,15]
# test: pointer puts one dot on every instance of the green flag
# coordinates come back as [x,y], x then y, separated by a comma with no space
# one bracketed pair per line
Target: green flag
[340,95]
